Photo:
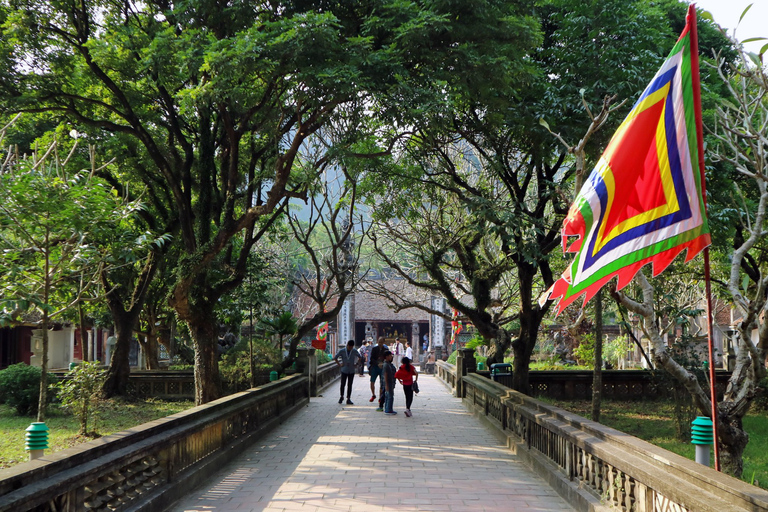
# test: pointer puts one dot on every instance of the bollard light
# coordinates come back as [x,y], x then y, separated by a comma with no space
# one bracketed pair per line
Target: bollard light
[272,376]
[37,440]
[701,436]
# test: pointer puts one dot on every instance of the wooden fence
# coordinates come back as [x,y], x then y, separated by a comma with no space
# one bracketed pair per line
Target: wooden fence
[150,466]
[617,471]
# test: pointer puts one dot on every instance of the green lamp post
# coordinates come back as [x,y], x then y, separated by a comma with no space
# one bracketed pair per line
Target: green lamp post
[701,436]
[37,440]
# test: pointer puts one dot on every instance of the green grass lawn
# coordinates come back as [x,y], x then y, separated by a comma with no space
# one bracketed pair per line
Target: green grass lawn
[114,417]
[653,421]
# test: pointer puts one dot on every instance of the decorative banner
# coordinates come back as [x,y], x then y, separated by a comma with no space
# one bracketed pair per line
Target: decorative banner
[321,342]
[438,322]
[455,326]
[644,201]
[344,332]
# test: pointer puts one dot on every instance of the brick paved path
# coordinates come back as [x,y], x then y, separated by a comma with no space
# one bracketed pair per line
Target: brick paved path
[332,457]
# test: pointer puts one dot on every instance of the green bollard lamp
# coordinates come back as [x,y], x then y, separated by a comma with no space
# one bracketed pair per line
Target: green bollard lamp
[37,440]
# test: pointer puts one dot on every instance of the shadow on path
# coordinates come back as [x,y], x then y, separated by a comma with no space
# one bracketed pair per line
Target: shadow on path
[332,457]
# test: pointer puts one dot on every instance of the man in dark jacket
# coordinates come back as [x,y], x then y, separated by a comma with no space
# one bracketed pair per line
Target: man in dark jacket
[348,359]
[376,358]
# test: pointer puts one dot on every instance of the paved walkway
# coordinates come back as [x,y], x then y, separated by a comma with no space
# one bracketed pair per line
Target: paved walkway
[332,457]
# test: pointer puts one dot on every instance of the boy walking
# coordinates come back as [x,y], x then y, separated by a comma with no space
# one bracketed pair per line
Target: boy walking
[389,383]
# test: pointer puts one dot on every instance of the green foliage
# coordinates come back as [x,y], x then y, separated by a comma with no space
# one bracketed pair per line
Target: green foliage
[181,367]
[235,366]
[613,350]
[281,326]
[263,352]
[44,229]
[323,357]
[616,349]
[80,393]
[263,291]
[553,363]
[595,48]
[478,358]
[687,352]
[20,387]
[585,352]
[477,341]
[117,415]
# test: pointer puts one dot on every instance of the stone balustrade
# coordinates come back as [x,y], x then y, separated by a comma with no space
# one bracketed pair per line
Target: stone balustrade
[326,374]
[593,466]
[150,466]
[617,384]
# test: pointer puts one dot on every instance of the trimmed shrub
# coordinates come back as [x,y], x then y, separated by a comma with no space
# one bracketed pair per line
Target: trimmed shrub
[20,387]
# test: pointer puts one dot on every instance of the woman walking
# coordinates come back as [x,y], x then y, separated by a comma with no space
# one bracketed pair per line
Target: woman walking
[407,375]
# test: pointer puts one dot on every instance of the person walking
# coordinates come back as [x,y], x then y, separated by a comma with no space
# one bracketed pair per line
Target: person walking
[407,375]
[398,351]
[347,358]
[408,351]
[363,350]
[389,383]
[375,364]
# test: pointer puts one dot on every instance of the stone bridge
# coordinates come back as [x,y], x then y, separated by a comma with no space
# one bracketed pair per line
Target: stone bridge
[331,457]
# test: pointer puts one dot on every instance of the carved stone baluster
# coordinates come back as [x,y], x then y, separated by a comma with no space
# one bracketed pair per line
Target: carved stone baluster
[629,493]
[613,480]
[599,475]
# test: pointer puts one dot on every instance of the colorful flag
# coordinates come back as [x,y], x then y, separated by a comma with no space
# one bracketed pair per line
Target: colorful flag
[455,326]
[320,342]
[644,201]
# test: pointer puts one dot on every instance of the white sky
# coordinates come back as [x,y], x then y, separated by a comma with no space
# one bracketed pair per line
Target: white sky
[726,13]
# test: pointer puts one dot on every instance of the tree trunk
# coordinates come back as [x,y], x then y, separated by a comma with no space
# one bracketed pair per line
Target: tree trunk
[84,342]
[42,403]
[150,347]
[733,441]
[151,352]
[207,381]
[498,347]
[119,370]
[125,319]
[43,400]
[251,363]
[530,320]
[522,349]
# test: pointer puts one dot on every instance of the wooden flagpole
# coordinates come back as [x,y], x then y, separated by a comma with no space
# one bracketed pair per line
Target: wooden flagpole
[691,18]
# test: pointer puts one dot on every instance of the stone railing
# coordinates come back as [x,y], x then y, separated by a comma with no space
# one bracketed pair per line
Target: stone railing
[164,384]
[447,373]
[173,384]
[593,466]
[150,466]
[326,374]
[617,384]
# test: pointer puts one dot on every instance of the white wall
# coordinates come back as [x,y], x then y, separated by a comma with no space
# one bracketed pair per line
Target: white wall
[61,345]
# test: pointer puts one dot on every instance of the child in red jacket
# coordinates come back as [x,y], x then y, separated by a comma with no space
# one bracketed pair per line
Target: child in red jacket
[407,375]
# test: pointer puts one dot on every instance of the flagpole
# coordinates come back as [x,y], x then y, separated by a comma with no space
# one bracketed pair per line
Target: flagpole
[712,381]
[707,281]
